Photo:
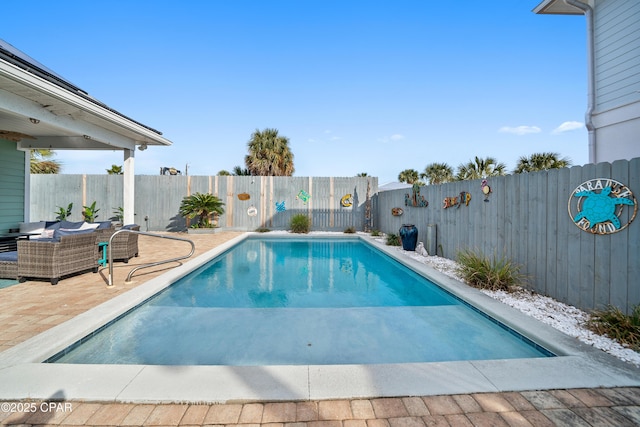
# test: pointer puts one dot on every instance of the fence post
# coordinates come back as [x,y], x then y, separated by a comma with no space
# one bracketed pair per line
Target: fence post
[430,244]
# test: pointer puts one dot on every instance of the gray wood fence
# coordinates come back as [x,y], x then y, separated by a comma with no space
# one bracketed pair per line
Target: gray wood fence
[273,200]
[526,219]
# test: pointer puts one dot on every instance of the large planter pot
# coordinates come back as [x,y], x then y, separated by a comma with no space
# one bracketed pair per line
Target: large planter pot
[201,230]
[409,236]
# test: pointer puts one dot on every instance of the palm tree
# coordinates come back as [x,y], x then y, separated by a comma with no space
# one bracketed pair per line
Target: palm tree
[541,162]
[40,162]
[269,154]
[438,173]
[362,174]
[410,176]
[480,169]
[201,205]
[239,171]
[115,170]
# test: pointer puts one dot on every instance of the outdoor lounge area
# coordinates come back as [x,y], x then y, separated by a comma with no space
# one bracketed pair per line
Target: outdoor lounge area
[55,250]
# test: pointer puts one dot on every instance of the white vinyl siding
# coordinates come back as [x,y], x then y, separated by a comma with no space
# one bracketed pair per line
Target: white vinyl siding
[617,53]
[12,190]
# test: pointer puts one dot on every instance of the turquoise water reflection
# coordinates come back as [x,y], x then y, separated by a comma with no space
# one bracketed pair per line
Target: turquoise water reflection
[283,301]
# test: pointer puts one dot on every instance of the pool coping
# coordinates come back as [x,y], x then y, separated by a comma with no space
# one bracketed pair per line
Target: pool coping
[578,365]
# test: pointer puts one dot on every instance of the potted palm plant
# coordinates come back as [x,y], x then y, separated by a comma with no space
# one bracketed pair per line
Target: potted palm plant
[90,213]
[206,208]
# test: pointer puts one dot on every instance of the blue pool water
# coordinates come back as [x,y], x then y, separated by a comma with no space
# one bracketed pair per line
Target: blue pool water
[5,283]
[278,301]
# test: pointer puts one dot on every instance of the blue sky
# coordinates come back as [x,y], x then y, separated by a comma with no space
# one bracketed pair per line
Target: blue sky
[357,86]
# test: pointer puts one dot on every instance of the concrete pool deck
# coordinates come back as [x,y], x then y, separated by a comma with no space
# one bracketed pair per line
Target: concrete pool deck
[39,320]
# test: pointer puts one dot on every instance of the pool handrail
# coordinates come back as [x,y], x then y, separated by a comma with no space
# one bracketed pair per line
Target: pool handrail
[151,264]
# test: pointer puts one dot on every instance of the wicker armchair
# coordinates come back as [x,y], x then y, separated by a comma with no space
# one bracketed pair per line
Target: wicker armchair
[73,253]
[124,245]
[103,234]
[9,265]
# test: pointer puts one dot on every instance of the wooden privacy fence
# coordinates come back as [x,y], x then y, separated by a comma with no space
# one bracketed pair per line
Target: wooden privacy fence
[526,218]
[250,202]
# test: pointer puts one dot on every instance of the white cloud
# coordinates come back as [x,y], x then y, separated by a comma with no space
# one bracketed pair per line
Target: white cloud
[392,138]
[326,137]
[567,127]
[520,130]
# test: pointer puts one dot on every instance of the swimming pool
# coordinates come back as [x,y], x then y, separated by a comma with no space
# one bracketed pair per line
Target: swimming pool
[274,301]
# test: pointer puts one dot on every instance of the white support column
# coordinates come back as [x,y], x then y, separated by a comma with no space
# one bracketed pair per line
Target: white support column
[27,186]
[128,192]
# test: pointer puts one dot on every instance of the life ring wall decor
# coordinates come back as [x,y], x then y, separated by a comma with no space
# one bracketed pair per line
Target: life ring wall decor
[346,200]
[252,211]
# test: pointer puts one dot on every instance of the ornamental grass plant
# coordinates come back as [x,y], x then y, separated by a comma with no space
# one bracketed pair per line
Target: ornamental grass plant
[300,223]
[612,322]
[492,273]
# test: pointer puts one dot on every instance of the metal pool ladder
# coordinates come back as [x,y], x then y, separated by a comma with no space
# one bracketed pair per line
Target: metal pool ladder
[151,264]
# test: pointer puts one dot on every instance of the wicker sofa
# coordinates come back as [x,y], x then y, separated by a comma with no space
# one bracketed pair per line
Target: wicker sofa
[124,246]
[52,259]
[9,265]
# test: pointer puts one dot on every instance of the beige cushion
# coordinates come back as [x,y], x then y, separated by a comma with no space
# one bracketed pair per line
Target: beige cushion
[89,226]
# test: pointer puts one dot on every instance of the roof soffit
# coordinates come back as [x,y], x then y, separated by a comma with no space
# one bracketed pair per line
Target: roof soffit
[557,7]
[45,101]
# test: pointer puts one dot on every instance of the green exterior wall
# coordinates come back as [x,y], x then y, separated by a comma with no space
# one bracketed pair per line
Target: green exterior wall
[12,185]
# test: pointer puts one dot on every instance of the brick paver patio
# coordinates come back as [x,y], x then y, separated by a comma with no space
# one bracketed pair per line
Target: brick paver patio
[614,407]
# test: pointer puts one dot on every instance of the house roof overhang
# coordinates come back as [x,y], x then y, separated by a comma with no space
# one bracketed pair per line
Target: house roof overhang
[38,109]
[557,7]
